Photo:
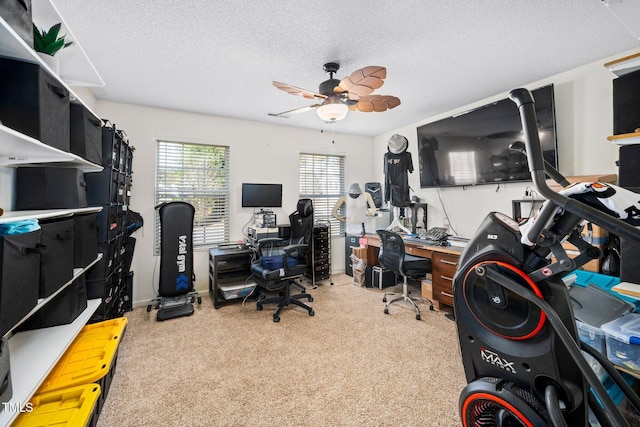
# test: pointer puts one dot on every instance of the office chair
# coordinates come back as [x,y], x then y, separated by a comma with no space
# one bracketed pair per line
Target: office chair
[280,264]
[393,257]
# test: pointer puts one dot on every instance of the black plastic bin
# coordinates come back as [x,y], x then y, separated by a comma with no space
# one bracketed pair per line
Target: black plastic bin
[50,188]
[56,259]
[19,277]
[34,103]
[86,134]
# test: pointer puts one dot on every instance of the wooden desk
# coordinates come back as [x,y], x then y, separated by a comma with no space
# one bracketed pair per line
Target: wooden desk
[444,261]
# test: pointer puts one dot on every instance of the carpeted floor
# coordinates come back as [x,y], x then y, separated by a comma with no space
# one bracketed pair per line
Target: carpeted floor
[349,365]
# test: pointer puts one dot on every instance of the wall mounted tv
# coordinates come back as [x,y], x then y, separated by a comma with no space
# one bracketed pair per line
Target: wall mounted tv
[261,195]
[473,148]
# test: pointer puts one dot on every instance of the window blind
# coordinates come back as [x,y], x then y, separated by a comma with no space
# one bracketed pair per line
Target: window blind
[196,174]
[322,180]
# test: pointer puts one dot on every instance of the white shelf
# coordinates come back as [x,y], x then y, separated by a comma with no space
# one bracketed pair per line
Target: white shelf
[13,216]
[625,139]
[625,65]
[34,353]
[18,149]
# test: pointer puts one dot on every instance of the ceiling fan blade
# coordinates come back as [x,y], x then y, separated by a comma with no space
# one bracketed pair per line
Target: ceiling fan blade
[363,81]
[298,91]
[286,114]
[377,103]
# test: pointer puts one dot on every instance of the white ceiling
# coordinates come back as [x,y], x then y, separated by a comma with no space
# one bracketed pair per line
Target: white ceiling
[220,57]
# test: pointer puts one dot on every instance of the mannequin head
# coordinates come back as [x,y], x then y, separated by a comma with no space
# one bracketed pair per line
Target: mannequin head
[354,190]
[397,144]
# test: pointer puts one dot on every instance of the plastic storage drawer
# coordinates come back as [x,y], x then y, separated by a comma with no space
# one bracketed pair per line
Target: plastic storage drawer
[593,336]
[74,406]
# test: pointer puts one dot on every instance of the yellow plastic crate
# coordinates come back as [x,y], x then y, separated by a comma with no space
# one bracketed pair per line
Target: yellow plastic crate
[75,406]
[91,358]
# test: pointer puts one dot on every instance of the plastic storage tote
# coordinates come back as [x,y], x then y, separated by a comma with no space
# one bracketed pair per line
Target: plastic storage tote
[623,341]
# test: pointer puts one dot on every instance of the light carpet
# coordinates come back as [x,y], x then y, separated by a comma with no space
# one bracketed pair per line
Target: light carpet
[349,365]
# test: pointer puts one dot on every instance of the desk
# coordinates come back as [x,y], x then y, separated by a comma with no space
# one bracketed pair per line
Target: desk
[444,261]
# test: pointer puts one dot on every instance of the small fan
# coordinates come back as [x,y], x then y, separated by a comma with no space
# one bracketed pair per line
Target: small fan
[340,96]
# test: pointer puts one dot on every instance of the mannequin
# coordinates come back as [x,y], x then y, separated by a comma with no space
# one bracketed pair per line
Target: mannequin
[397,166]
[359,206]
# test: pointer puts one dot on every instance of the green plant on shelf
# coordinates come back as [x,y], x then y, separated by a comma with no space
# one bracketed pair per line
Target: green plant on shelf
[49,42]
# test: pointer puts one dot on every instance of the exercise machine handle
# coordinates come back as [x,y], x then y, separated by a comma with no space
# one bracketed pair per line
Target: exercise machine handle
[524,101]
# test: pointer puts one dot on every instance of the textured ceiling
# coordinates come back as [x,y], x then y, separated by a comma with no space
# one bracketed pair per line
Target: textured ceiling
[220,58]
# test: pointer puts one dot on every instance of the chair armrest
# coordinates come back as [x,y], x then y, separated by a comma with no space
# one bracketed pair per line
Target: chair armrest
[289,249]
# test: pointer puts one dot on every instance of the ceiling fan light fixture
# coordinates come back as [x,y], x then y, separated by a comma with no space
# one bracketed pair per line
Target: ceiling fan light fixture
[332,110]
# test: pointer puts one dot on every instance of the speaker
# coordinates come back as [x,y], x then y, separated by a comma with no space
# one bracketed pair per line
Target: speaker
[628,166]
[375,189]
[626,107]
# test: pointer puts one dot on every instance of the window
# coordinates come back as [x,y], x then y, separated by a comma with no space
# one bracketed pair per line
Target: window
[196,174]
[322,180]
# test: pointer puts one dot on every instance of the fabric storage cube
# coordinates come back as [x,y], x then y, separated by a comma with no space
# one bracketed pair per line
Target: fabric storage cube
[63,309]
[85,239]
[18,14]
[34,103]
[85,134]
[6,392]
[111,140]
[50,188]
[19,277]
[56,258]
[623,341]
[108,224]
[102,187]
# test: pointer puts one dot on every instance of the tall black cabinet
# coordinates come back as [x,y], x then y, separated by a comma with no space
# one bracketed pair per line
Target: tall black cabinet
[111,279]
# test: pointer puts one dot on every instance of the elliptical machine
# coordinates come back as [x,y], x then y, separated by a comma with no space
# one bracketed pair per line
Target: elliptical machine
[518,338]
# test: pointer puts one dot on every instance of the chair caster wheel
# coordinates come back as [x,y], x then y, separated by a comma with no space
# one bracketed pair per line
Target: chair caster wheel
[384,299]
[259,307]
[199,300]
[386,311]
[417,317]
[312,313]
[276,319]
[310,299]
[149,308]
[431,308]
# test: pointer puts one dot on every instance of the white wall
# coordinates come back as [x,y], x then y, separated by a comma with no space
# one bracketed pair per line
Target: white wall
[584,119]
[259,152]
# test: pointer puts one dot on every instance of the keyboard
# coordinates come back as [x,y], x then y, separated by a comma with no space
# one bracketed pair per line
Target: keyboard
[435,234]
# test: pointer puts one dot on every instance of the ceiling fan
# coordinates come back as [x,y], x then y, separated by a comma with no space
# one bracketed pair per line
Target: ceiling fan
[340,96]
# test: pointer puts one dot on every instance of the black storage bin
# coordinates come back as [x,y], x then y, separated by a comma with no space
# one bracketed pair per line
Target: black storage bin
[382,278]
[50,188]
[85,134]
[108,224]
[18,14]
[56,259]
[19,277]
[111,140]
[6,389]
[63,309]
[85,235]
[102,187]
[34,103]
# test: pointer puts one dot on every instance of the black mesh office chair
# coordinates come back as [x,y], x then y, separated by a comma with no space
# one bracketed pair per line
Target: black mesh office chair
[279,265]
[393,257]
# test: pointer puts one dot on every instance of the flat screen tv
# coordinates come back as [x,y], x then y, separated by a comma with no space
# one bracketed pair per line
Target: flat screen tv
[261,195]
[473,147]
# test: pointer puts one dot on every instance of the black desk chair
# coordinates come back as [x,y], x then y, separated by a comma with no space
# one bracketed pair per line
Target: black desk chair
[393,257]
[280,264]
